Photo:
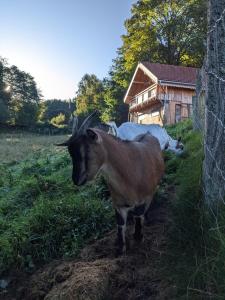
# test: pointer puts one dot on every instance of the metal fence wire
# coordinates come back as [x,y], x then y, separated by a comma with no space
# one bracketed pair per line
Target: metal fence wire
[209,106]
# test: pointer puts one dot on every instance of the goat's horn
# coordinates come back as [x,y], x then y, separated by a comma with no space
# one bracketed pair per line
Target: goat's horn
[87,122]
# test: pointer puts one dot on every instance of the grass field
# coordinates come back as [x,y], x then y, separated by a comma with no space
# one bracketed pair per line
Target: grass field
[14,146]
[43,216]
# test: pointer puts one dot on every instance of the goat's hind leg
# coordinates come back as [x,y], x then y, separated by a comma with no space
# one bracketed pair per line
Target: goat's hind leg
[121,219]
[139,212]
[138,232]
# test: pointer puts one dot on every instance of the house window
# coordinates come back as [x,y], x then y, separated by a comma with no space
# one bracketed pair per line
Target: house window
[177,113]
[139,99]
[145,96]
[149,94]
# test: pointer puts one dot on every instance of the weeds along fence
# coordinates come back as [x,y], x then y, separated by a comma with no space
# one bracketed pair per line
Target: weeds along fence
[209,106]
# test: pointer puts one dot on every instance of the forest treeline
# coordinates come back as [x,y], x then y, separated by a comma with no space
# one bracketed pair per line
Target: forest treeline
[21,102]
[171,32]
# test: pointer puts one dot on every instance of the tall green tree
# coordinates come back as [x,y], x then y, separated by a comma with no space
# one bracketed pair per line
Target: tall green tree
[114,108]
[4,95]
[90,95]
[22,96]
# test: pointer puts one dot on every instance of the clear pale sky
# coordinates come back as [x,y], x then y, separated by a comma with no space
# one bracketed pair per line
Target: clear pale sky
[58,41]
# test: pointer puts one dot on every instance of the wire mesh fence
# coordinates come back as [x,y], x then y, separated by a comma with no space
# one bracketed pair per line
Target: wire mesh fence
[209,106]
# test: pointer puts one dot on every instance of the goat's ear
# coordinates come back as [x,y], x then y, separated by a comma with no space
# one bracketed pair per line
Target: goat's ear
[93,135]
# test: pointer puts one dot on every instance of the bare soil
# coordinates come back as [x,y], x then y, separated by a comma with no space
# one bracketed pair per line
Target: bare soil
[98,274]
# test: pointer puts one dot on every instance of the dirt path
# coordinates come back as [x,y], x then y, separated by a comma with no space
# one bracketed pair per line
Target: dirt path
[97,274]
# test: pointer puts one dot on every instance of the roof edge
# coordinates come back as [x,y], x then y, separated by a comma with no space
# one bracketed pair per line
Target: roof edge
[146,71]
[177,83]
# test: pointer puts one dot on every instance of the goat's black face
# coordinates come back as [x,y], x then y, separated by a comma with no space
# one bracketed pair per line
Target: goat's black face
[87,158]
[78,150]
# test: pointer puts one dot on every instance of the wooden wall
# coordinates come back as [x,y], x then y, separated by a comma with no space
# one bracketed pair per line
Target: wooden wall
[151,116]
[177,108]
[179,98]
[176,94]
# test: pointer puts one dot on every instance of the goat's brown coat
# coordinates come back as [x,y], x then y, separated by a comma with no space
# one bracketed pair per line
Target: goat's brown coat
[132,169]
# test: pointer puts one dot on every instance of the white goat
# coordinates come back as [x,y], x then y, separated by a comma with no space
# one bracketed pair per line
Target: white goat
[129,131]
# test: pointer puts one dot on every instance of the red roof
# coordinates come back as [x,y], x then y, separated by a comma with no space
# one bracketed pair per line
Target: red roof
[172,73]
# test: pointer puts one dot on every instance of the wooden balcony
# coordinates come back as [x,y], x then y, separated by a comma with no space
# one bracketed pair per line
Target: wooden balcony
[142,99]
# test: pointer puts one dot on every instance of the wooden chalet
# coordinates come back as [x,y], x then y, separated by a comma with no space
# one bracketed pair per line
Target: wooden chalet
[160,93]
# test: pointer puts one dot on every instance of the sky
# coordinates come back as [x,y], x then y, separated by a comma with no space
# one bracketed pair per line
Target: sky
[58,41]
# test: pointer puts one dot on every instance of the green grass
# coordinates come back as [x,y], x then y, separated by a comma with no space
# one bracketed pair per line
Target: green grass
[196,250]
[15,146]
[43,216]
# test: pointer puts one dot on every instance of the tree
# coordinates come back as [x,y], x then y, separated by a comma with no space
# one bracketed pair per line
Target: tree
[89,95]
[23,96]
[115,109]
[50,109]
[59,121]
[4,95]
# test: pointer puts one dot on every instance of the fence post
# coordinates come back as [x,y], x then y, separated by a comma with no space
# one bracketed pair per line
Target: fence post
[199,101]
[214,139]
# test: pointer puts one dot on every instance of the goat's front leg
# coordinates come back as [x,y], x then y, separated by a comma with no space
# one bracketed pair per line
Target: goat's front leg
[121,219]
[138,232]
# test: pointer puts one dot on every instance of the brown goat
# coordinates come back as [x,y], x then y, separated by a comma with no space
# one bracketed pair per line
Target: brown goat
[132,170]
